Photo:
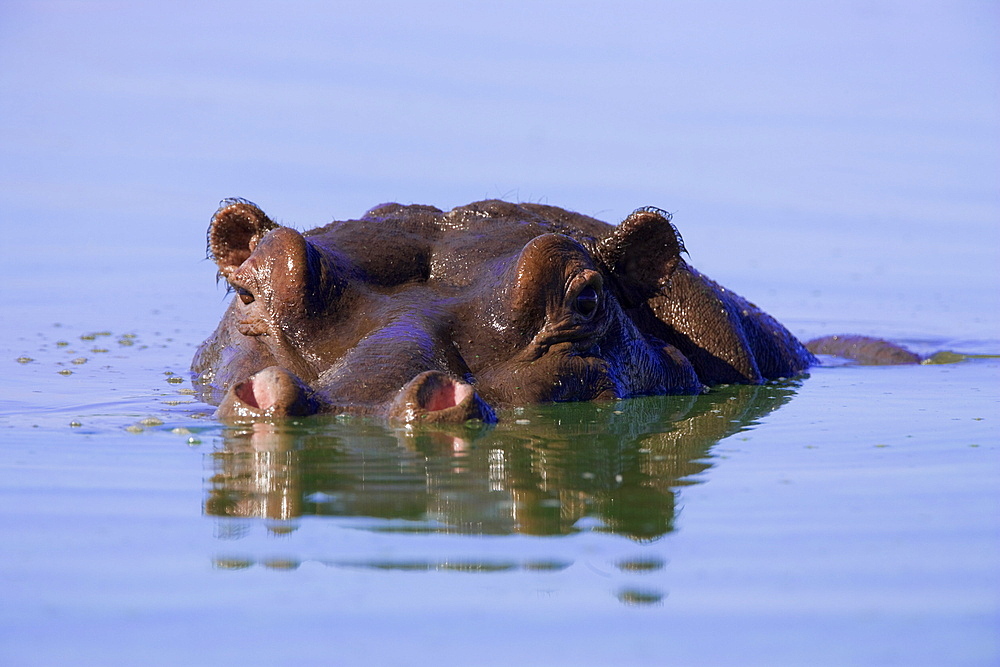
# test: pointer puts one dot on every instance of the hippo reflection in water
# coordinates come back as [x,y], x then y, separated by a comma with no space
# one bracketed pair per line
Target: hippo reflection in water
[621,464]
[418,315]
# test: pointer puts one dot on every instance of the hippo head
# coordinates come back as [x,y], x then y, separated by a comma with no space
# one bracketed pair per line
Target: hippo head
[553,326]
[417,315]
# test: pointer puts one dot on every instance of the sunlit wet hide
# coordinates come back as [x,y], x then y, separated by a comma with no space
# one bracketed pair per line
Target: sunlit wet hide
[416,314]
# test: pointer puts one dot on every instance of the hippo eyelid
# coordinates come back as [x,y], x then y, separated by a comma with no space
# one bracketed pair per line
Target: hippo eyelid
[586,301]
[245,295]
[249,280]
[584,293]
[237,283]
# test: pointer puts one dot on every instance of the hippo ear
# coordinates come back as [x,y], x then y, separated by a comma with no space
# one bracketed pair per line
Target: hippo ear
[236,229]
[642,252]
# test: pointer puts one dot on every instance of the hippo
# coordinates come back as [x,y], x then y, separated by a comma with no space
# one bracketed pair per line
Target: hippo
[416,315]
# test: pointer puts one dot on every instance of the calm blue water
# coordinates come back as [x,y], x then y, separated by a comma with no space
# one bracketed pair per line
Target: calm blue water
[836,163]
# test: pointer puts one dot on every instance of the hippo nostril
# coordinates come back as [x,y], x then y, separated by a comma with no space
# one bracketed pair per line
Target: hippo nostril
[244,392]
[446,396]
[586,302]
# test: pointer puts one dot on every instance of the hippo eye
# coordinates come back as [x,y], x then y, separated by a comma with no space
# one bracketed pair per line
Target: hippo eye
[245,295]
[586,302]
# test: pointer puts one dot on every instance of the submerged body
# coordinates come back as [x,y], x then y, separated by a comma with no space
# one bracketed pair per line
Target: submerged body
[415,314]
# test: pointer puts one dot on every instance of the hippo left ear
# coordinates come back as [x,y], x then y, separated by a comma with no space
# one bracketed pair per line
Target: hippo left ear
[236,229]
[642,253]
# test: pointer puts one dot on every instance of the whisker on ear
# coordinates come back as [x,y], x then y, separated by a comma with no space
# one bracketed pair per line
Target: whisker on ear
[653,209]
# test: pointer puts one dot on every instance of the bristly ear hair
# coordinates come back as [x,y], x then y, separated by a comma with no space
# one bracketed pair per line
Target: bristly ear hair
[236,227]
[255,220]
[667,216]
[642,252]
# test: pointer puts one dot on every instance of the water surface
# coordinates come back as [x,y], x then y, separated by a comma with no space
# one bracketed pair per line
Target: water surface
[821,159]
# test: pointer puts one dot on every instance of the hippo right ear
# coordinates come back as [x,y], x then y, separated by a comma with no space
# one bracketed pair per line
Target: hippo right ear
[236,229]
[642,253]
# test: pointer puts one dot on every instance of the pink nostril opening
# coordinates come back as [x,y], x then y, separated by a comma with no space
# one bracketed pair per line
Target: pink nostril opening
[244,392]
[447,396]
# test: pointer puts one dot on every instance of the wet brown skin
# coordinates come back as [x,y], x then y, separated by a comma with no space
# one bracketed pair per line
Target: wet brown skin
[415,314]
[865,350]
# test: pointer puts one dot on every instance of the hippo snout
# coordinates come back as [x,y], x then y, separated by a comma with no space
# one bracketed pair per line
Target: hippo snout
[435,397]
[272,392]
[432,397]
